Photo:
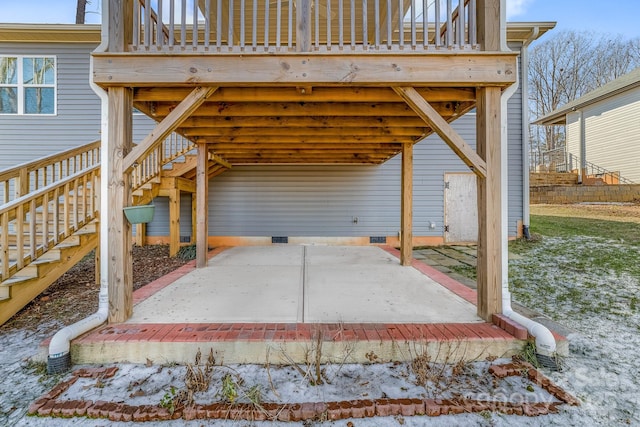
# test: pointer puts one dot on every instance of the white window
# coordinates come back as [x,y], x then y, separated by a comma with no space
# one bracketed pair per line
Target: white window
[27,85]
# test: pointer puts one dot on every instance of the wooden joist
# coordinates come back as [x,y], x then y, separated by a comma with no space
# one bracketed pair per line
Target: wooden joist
[292,95]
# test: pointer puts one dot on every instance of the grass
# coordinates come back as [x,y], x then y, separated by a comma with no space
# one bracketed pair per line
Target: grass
[626,232]
[578,267]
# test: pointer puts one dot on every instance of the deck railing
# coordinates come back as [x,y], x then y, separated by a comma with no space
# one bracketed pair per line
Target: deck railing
[31,176]
[274,26]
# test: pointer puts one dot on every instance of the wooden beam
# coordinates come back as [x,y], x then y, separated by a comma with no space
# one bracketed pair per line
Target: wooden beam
[120,266]
[443,129]
[170,123]
[304,121]
[291,94]
[169,183]
[489,204]
[392,69]
[267,146]
[219,160]
[174,221]
[202,214]
[304,131]
[312,109]
[310,139]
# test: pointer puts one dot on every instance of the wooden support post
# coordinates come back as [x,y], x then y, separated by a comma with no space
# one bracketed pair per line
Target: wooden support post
[120,25]
[22,183]
[174,221]
[140,238]
[488,16]
[120,270]
[490,243]
[202,212]
[194,218]
[406,220]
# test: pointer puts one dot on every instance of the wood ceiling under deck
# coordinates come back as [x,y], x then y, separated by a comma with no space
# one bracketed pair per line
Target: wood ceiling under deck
[305,125]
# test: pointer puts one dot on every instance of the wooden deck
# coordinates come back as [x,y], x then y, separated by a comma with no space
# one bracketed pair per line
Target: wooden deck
[260,84]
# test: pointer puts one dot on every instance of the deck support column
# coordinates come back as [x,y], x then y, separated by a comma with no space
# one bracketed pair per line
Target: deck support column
[406,219]
[120,261]
[174,221]
[490,243]
[202,200]
[141,235]
[194,218]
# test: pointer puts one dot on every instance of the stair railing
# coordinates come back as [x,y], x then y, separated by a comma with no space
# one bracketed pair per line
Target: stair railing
[19,180]
[149,168]
[34,223]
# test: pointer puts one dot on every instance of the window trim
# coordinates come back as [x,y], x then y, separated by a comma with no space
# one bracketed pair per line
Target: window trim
[21,86]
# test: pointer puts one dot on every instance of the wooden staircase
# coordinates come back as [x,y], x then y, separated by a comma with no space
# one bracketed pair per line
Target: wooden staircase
[49,212]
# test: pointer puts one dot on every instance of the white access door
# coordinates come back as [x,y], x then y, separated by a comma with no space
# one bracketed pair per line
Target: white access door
[460,208]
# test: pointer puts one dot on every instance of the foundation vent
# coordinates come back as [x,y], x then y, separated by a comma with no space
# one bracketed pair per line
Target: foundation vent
[279,239]
[377,239]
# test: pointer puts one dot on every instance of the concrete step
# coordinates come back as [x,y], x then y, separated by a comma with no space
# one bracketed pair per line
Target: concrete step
[250,342]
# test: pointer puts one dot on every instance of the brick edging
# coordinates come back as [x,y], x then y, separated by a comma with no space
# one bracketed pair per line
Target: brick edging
[48,405]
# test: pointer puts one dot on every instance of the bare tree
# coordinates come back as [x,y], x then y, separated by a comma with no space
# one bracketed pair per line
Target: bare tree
[570,65]
[81,11]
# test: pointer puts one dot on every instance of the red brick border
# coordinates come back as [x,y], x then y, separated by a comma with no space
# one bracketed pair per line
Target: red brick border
[48,405]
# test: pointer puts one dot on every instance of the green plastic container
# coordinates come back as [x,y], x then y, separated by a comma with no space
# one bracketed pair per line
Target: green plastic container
[139,214]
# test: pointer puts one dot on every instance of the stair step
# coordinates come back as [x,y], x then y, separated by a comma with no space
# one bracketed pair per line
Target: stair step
[18,279]
[41,261]
[4,293]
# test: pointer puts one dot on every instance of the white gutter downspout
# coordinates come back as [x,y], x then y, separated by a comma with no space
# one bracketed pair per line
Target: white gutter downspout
[524,65]
[544,340]
[59,359]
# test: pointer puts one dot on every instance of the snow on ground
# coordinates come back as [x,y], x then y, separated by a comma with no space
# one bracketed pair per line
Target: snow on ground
[562,278]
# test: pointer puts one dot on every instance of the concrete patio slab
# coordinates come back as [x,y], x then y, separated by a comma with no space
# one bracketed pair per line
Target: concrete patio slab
[250,302]
[226,293]
[291,284]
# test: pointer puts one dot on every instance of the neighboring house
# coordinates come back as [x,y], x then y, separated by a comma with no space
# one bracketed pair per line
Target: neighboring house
[603,127]
[317,203]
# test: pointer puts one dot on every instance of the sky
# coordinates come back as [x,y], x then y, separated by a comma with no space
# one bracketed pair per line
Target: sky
[616,17]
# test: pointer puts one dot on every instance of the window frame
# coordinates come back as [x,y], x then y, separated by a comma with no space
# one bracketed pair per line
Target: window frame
[21,86]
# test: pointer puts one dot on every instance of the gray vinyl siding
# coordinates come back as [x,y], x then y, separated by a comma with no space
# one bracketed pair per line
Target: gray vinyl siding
[515,159]
[23,137]
[27,137]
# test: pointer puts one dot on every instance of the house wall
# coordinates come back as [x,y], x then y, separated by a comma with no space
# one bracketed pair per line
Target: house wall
[612,134]
[24,138]
[77,122]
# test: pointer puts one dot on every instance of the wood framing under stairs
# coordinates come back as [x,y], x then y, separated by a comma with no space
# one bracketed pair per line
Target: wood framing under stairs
[20,289]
